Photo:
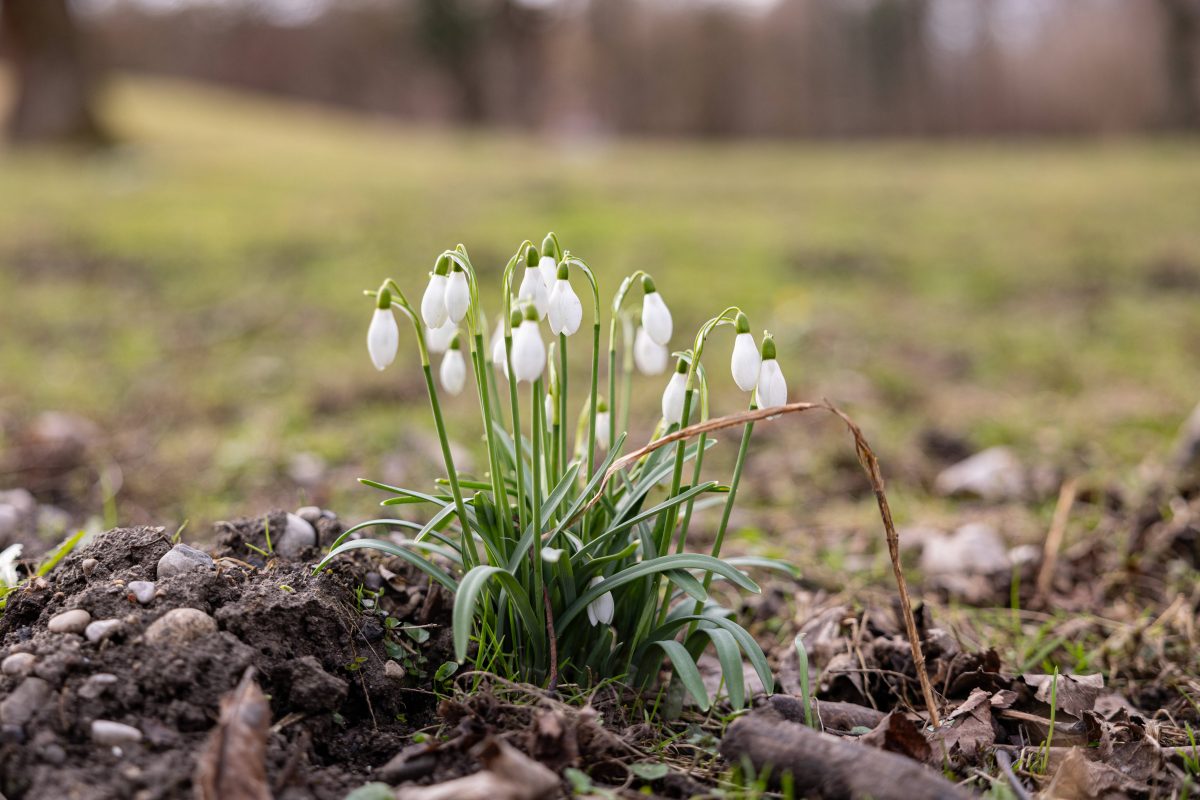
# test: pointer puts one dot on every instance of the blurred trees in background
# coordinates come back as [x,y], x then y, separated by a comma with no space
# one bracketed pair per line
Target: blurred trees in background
[819,68]
[54,84]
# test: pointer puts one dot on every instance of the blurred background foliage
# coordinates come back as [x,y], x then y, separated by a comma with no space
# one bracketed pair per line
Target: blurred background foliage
[962,224]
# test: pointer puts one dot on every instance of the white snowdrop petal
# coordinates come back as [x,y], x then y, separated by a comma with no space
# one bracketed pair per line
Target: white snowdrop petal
[649,356]
[8,565]
[549,269]
[383,338]
[603,429]
[656,318]
[565,311]
[453,372]
[433,302]
[746,362]
[600,611]
[533,290]
[672,399]
[528,352]
[772,388]
[437,340]
[500,355]
[458,296]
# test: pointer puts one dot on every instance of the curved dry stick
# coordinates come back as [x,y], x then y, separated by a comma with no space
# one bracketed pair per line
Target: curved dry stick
[870,465]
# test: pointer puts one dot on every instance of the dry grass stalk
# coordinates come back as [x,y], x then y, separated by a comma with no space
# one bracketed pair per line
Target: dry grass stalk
[870,465]
[1054,538]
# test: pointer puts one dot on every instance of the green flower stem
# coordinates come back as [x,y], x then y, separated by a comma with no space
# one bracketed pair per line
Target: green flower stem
[481,381]
[700,442]
[451,472]
[561,430]
[519,448]
[536,501]
[738,465]
[626,374]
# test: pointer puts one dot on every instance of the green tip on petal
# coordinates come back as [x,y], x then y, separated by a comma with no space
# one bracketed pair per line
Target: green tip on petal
[532,256]
[529,312]
[383,299]
[455,344]
[768,346]
[564,272]
[743,322]
[601,405]
[442,267]
[648,285]
[515,319]
[681,367]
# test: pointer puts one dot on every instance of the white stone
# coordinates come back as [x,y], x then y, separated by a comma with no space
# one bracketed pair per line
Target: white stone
[992,475]
[101,629]
[182,558]
[17,663]
[142,591]
[106,732]
[73,621]
[179,626]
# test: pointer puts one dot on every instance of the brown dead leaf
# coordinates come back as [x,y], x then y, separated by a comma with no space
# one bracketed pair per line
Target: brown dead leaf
[507,774]
[1080,778]
[968,729]
[1075,693]
[896,733]
[233,765]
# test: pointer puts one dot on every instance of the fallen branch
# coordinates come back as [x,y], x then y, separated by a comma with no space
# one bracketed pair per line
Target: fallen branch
[832,714]
[828,767]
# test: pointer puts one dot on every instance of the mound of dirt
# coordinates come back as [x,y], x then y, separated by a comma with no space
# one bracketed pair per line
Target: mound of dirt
[116,698]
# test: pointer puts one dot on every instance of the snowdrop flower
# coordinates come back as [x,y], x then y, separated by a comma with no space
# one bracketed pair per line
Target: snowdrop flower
[533,287]
[8,566]
[437,340]
[772,388]
[649,356]
[672,399]
[565,311]
[603,424]
[499,353]
[454,369]
[433,302]
[746,361]
[458,295]
[656,317]
[551,555]
[600,611]
[528,350]
[551,406]
[383,337]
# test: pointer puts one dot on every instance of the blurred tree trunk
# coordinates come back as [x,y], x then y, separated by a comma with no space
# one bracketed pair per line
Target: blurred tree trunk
[1181,23]
[53,88]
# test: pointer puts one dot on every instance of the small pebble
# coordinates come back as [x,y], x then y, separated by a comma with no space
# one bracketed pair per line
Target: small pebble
[12,734]
[101,629]
[180,625]
[142,591]
[182,558]
[298,536]
[309,514]
[53,754]
[107,732]
[393,670]
[24,701]
[73,621]
[17,663]
[88,565]
[20,499]
[95,685]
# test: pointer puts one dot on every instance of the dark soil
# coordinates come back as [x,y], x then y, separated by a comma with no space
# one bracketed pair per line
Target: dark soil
[321,662]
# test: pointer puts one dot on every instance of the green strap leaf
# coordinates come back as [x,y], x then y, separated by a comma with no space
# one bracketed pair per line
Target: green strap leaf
[394,549]
[749,646]
[731,664]
[406,495]
[654,565]
[685,669]
[398,523]
[594,545]
[467,597]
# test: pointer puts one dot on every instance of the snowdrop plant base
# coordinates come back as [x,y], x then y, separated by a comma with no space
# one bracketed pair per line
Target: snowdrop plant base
[559,570]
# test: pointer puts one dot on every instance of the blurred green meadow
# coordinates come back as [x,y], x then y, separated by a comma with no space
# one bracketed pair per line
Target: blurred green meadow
[198,293]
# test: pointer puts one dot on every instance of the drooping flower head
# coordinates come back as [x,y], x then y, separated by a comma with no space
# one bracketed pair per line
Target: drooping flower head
[565,311]
[600,611]
[772,388]
[533,286]
[650,357]
[458,295]
[746,361]
[656,317]
[673,395]
[433,302]
[499,354]
[603,423]
[8,565]
[528,349]
[437,340]
[383,336]
[453,372]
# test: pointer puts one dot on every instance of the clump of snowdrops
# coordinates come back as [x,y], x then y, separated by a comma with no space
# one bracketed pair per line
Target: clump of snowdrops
[562,566]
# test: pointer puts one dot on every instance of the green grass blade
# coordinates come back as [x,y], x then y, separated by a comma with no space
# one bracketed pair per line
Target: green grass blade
[400,523]
[467,597]
[393,549]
